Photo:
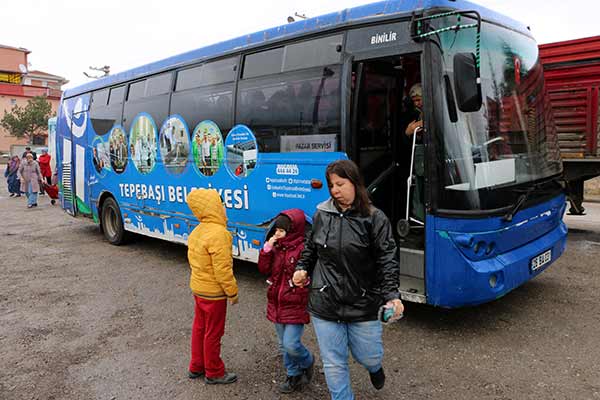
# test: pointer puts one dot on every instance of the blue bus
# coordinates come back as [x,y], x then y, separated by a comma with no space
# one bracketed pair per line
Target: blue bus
[473,194]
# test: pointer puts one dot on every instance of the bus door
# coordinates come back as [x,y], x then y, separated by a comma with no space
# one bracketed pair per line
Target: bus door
[380,113]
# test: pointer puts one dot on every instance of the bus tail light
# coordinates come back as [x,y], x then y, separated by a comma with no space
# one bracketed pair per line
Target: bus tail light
[256,242]
[316,183]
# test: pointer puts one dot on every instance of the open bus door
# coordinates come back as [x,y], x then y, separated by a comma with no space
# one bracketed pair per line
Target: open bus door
[384,154]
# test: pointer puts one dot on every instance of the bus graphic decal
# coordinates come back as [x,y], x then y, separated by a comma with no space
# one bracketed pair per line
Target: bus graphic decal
[117,146]
[142,143]
[207,148]
[241,151]
[100,156]
[174,144]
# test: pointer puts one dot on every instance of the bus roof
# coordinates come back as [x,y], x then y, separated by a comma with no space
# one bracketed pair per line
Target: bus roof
[346,17]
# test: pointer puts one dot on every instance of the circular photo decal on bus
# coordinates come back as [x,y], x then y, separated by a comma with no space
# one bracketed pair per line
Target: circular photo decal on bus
[174,144]
[142,143]
[207,147]
[100,156]
[241,151]
[117,147]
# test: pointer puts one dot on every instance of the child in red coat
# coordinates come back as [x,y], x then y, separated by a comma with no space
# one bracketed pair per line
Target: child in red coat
[286,303]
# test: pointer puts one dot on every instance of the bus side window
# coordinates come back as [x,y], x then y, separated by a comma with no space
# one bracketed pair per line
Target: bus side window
[205,92]
[105,109]
[303,102]
[149,96]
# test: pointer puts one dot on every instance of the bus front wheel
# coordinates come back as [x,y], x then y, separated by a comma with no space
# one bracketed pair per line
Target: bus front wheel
[112,222]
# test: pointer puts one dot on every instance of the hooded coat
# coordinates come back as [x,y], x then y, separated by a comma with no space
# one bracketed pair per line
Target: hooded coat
[209,248]
[44,161]
[286,304]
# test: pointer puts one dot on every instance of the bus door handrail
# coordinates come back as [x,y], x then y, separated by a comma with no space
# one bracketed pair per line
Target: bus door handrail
[410,175]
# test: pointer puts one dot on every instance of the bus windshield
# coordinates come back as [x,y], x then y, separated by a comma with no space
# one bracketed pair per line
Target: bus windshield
[511,140]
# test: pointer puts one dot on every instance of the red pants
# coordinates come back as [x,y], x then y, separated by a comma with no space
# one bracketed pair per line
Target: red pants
[207,330]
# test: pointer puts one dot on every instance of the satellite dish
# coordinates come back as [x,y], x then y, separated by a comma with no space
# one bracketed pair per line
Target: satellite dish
[23,68]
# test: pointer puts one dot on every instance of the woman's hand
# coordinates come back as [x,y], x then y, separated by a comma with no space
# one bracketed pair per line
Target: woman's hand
[398,308]
[412,127]
[299,278]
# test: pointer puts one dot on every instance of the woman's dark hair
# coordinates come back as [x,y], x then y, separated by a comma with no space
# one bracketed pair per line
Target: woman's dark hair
[347,169]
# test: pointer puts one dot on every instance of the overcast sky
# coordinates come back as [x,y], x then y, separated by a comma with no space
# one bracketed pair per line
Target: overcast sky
[65,37]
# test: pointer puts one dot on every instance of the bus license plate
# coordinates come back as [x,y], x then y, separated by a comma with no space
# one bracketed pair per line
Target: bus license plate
[541,260]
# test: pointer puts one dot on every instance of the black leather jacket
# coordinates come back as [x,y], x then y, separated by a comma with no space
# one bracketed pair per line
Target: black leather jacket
[352,263]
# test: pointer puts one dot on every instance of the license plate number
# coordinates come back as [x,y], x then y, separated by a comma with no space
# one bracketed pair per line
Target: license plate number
[541,260]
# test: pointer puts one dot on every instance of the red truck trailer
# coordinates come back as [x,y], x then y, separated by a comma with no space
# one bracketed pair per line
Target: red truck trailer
[572,74]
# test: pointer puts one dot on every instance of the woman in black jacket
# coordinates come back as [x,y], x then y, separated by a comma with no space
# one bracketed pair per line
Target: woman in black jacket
[350,257]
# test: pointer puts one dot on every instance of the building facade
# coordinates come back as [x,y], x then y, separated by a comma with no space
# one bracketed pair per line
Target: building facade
[18,85]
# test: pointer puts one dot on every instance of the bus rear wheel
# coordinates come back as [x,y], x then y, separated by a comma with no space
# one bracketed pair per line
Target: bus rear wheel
[112,222]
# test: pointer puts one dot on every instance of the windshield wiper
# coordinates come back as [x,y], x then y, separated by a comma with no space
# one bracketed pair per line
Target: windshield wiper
[525,195]
[517,206]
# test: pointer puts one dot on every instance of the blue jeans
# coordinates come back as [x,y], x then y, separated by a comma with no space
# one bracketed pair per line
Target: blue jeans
[335,338]
[31,195]
[296,357]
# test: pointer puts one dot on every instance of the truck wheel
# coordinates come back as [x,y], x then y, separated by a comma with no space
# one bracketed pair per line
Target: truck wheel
[112,222]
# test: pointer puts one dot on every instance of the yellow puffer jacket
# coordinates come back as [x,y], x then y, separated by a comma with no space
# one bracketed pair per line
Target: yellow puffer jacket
[209,248]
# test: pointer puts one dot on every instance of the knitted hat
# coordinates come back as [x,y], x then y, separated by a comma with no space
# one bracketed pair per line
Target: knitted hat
[283,222]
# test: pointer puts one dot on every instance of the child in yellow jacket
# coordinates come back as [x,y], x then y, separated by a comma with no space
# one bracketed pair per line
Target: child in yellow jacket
[212,283]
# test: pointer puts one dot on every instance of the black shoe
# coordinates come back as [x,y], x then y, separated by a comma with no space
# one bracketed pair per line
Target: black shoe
[34,205]
[229,377]
[378,379]
[308,372]
[195,375]
[291,384]
[12,195]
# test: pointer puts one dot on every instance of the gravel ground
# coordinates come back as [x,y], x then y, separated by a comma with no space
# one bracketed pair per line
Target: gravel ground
[81,319]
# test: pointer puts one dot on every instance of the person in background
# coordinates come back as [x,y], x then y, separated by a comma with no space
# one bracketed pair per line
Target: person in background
[28,151]
[350,257]
[416,128]
[30,176]
[212,283]
[44,161]
[286,304]
[12,176]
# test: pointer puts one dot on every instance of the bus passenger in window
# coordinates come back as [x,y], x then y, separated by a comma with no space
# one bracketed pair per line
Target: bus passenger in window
[350,257]
[286,304]
[212,283]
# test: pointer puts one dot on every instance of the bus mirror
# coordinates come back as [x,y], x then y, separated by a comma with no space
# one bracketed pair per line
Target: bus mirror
[466,82]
